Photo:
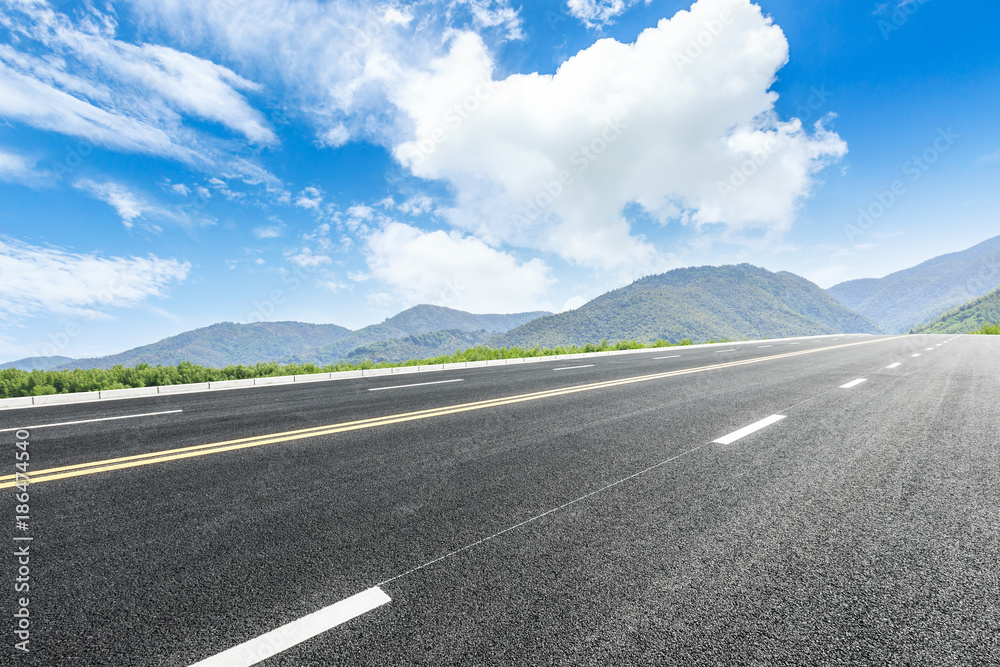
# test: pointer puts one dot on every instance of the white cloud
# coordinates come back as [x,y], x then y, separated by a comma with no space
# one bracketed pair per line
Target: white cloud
[269,231]
[34,278]
[394,15]
[598,12]
[131,207]
[454,270]
[117,196]
[334,59]
[85,83]
[335,137]
[316,248]
[18,168]
[40,105]
[307,258]
[361,212]
[655,123]
[180,189]
[222,188]
[492,14]
[417,205]
[310,198]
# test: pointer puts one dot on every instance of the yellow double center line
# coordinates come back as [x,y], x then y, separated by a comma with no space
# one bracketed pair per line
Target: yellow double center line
[80,469]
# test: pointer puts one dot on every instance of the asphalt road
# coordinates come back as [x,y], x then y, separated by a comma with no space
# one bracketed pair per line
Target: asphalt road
[531,515]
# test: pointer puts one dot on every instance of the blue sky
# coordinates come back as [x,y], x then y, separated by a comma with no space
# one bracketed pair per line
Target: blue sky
[169,164]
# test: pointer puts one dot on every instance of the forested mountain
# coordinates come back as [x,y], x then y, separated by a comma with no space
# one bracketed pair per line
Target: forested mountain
[420,346]
[967,318]
[414,321]
[227,344]
[909,298]
[224,344]
[705,302]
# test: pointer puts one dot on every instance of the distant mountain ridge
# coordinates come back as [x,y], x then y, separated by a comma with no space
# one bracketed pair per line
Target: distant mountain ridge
[224,344]
[967,318]
[416,321]
[909,298]
[40,363]
[227,343]
[734,302]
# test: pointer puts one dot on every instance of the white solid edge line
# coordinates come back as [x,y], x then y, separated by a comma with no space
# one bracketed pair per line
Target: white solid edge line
[418,384]
[895,365]
[752,428]
[853,383]
[89,421]
[572,368]
[675,356]
[296,632]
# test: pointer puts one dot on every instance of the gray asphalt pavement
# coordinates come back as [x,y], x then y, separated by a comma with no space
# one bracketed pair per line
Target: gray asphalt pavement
[596,523]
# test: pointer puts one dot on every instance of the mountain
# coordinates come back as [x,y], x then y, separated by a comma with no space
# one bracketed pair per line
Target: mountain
[419,332]
[909,298]
[705,302]
[968,318]
[420,346]
[423,319]
[225,344]
[37,363]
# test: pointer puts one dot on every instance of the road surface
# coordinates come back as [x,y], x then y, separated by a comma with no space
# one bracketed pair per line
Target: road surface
[824,501]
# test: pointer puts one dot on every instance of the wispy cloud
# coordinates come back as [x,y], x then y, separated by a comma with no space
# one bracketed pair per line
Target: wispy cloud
[18,168]
[271,231]
[596,13]
[990,158]
[131,207]
[34,278]
[333,60]
[78,79]
[309,198]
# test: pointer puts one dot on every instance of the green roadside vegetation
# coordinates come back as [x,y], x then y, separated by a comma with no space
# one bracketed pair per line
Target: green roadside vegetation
[968,318]
[989,330]
[15,382]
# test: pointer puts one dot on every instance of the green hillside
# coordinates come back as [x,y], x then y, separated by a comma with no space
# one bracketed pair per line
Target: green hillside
[968,318]
[401,337]
[420,346]
[909,298]
[732,302]
[224,344]
[423,319]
